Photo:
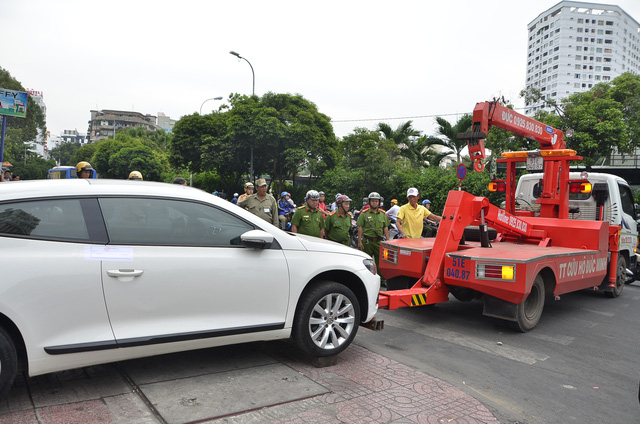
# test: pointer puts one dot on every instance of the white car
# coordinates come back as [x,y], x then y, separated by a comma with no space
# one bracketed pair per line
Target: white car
[96,271]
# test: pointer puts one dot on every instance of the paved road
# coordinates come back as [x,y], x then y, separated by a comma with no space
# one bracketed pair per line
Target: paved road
[441,364]
[581,364]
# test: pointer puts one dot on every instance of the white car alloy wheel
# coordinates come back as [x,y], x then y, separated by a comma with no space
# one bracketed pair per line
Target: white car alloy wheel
[327,319]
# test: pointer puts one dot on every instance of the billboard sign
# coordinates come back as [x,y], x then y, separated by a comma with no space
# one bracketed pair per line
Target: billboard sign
[13,103]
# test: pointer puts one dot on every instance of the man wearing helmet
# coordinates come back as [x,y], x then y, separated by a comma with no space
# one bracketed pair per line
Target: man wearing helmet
[372,226]
[248,191]
[410,216]
[321,205]
[261,204]
[84,170]
[135,175]
[308,219]
[285,209]
[393,210]
[338,223]
[334,206]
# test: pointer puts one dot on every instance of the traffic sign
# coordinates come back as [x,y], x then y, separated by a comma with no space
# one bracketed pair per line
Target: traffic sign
[462,171]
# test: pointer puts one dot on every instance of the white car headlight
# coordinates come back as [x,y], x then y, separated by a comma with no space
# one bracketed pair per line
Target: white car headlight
[371,265]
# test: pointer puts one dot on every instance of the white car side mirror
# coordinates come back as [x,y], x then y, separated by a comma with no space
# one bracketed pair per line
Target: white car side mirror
[256,239]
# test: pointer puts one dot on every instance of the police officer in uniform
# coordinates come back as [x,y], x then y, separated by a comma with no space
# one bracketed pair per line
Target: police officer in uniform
[373,225]
[308,219]
[338,223]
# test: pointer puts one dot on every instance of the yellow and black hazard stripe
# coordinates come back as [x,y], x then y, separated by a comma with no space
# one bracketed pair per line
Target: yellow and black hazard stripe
[419,299]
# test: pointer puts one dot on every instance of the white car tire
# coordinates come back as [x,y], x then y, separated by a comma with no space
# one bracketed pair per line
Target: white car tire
[8,363]
[327,319]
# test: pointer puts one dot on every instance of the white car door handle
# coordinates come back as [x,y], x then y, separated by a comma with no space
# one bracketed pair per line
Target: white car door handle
[124,273]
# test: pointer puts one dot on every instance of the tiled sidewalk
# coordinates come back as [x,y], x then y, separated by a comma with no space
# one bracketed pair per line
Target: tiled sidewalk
[268,380]
[369,388]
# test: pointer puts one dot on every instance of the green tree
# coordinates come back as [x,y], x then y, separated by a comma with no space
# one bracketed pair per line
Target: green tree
[598,125]
[287,132]
[405,138]
[625,89]
[63,153]
[188,144]
[34,169]
[366,165]
[116,158]
[21,133]
[603,118]
[84,153]
[448,135]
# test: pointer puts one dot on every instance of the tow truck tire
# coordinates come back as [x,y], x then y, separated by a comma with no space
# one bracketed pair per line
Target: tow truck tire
[8,363]
[621,276]
[472,233]
[327,319]
[529,311]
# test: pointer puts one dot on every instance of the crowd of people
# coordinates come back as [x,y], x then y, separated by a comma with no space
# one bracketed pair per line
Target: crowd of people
[6,176]
[336,221]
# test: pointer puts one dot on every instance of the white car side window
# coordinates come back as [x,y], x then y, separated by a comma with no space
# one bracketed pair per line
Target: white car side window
[49,219]
[170,222]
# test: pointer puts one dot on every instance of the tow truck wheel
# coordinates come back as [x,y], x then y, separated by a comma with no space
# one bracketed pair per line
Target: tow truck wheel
[327,319]
[8,363]
[621,276]
[529,311]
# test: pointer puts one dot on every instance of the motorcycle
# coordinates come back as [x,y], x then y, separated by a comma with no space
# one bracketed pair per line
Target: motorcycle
[393,230]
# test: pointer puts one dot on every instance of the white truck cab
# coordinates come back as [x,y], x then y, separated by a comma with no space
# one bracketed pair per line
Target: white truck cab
[617,208]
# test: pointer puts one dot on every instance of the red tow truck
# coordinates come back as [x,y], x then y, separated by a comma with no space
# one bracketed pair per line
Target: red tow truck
[531,254]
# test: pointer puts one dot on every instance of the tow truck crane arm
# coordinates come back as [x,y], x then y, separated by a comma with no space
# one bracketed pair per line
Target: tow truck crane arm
[488,114]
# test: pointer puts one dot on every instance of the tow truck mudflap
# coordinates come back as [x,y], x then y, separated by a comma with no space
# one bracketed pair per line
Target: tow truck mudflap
[418,295]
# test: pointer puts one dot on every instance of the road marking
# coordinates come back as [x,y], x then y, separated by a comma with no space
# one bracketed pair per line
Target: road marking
[521,355]
[563,340]
[606,314]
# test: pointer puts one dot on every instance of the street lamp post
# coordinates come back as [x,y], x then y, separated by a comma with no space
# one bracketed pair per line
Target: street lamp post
[213,98]
[253,92]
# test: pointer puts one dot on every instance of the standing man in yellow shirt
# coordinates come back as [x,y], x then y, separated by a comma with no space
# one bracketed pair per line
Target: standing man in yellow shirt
[410,216]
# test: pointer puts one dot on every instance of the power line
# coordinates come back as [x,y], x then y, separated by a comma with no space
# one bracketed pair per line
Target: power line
[405,117]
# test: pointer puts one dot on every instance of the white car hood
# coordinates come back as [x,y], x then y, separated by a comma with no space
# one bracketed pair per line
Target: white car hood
[316,244]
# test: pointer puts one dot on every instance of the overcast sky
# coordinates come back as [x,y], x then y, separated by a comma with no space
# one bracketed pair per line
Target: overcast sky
[358,61]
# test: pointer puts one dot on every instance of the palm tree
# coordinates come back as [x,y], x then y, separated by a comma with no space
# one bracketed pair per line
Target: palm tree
[448,135]
[403,137]
[421,153]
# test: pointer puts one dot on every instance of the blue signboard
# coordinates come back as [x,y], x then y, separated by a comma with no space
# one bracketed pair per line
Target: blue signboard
[13,103]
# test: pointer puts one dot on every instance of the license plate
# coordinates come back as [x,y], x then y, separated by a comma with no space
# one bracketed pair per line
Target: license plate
[534,163]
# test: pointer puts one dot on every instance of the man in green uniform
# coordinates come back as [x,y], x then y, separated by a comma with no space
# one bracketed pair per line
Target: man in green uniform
[261,204]
[338,223]
[308,219]
[373,224]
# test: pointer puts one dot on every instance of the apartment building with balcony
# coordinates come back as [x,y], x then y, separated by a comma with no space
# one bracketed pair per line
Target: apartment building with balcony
[105,123]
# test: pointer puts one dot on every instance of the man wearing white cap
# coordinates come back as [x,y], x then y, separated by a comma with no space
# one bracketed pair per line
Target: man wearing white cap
[410,216]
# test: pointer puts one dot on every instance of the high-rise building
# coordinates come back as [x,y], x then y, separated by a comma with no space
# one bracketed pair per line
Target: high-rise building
[575,45]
